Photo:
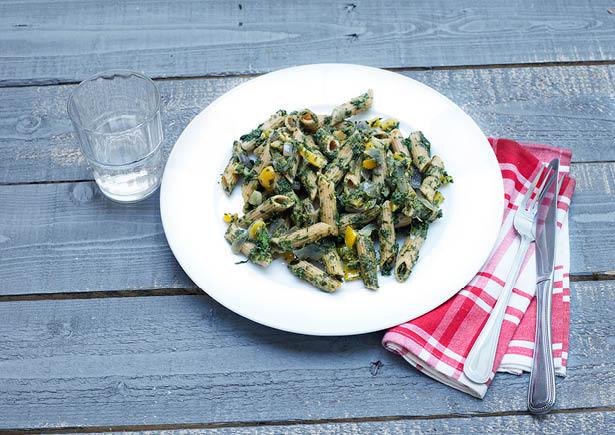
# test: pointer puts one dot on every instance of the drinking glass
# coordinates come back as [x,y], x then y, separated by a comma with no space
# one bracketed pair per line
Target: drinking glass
[116,115]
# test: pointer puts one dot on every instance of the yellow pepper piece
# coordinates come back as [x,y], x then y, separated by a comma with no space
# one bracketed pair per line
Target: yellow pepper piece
[255,228]
[369,145]
[350,237]
[438,198]
[312,158]
[265,134]
[394,206]
[374,122]
[389,124]
[399,157]
[351,276]
[229,217]
[369,163]
[266,177]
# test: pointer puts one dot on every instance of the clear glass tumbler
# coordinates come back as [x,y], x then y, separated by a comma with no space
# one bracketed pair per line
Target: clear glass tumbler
[116,115]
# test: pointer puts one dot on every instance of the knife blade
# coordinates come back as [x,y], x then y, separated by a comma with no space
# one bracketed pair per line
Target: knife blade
[541,393]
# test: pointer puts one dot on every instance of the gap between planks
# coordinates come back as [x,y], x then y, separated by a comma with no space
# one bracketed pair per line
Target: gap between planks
[54,82]
[248,424]
[195,291]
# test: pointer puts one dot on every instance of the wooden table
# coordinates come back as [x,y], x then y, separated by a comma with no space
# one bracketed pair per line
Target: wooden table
[100,328]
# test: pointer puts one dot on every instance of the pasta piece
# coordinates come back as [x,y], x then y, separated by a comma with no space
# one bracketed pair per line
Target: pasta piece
[304,236]
[263,161]
[357,219]
[397,142]
[308,120]
[328,206]
[380,172]
[402,220]
[435,176]
[333,263]
[352,179]
[386,238]
[231,173]
[310,214]
[354,106]
[338,166]
[257,252]
[367,259]
[276,120]
[419,149]
[291,122]
[327,143]
[271,206]
[409,252]
[308,179]
[307,271]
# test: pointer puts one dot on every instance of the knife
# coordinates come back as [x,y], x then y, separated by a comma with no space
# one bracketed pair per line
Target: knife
[541,394]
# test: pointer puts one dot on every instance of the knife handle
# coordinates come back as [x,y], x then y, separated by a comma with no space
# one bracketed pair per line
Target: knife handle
[541,394]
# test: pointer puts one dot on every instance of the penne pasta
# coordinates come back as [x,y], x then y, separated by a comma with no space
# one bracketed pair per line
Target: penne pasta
[333,263]
[328,206]
[409,252]
[367,260]
[357,219]
[419,149]
[314,186]
[386,239]
[303,236]
[307,271]
[354,106]
[268,208]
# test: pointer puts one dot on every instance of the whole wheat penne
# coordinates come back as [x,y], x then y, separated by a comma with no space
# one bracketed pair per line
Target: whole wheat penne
[328,206]
[386,239]
[307,271]
[308,120]
[409,252]
[397,142]
[303,236]
[272,205]
[333,263]
[290,168]
[419,149]
[367,260]
[357,219]
[262,163]
[352,107]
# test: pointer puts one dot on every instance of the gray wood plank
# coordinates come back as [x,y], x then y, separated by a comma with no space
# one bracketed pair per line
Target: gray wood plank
[66,237]
[573,423]
[187,360]
[46,41]
[563,106]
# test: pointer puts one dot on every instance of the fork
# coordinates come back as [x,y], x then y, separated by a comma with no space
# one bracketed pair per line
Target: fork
[479,363]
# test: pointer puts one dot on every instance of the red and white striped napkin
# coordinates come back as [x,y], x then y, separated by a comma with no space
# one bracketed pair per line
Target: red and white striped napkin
[438,342]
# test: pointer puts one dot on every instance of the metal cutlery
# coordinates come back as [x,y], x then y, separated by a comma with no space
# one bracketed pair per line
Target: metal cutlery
[479,363]
[541,392]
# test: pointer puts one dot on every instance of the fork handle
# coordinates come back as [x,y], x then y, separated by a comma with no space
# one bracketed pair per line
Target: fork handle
[541,393]
[478,365]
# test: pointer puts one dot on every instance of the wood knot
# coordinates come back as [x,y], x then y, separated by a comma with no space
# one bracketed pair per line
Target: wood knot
[27,124]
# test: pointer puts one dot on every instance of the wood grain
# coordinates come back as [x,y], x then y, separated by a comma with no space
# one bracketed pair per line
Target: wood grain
[187,360]
[578,422]
[45,41]
[66,237]
[564,106]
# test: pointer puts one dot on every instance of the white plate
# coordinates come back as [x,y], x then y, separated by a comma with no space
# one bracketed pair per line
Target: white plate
[192,203]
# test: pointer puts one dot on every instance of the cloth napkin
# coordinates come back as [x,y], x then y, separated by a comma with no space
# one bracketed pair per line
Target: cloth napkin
[438,342]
